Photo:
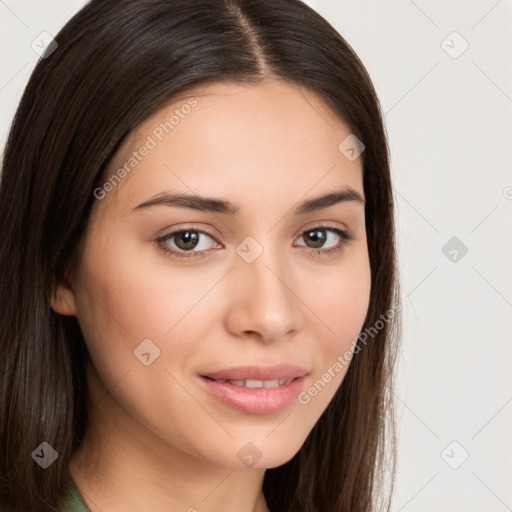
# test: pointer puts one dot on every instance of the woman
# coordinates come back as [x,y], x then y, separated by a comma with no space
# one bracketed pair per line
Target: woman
[199,300]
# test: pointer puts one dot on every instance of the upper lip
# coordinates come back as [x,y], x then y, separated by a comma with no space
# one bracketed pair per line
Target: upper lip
[258,372]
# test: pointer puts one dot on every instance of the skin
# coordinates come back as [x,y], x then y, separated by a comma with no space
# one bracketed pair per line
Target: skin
[156,440]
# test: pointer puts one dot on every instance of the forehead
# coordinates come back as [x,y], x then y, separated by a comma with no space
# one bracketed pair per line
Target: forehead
[256,142]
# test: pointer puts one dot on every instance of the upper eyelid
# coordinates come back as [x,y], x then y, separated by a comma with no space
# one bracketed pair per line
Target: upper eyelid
[210,232]
[317,224]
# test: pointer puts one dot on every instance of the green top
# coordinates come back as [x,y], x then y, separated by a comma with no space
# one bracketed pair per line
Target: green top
[73,502]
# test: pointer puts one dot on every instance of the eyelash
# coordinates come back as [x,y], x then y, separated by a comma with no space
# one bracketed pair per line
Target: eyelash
[345,237]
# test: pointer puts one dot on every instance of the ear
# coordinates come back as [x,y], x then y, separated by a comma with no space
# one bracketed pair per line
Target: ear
[62,300]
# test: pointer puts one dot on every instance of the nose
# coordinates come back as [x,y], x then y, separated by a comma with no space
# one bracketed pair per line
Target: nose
[263,302]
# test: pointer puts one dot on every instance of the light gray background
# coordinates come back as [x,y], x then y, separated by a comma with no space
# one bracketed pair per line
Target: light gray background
[449,122]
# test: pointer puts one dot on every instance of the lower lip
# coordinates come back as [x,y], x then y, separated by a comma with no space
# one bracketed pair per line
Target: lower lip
[255,400]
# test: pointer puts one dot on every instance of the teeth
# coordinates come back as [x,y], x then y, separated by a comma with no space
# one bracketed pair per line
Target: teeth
[252,383]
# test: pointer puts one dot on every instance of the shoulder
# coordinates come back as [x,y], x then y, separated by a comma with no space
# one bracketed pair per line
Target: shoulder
[72,501]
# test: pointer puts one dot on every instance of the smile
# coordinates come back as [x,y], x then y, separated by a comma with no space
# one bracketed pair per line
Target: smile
[253,383]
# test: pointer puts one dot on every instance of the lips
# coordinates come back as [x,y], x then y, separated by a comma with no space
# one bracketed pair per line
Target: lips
[255,389]
[253,400]
[257,373]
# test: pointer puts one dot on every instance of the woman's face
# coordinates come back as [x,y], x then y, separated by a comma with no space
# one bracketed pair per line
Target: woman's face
[263,286]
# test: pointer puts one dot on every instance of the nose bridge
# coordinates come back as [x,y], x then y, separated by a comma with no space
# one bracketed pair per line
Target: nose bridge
[264,287]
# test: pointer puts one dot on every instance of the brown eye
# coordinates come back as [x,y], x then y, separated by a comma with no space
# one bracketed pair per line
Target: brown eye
[193,243]
[187,243]
[186,240]
[317,237]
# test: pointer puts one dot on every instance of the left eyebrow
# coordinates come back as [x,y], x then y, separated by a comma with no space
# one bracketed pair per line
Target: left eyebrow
[319,203]
[215,205]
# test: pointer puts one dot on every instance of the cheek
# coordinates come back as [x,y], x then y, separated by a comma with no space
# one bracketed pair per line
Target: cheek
[348,307]
[342,306]
[130,297]
[118,308]
[122,304]
[137,297]
[342,301]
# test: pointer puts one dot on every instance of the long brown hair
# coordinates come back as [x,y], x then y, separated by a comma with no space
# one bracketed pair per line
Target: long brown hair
[116,64]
